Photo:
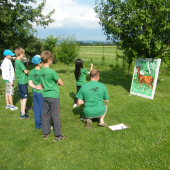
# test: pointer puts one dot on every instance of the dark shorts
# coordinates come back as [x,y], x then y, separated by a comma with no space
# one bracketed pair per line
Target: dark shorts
[23,90]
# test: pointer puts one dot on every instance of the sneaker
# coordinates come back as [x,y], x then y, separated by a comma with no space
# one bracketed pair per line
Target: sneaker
[61,137]
[8,106]
[25,116]
[45,136]
[13,108]
[75,105]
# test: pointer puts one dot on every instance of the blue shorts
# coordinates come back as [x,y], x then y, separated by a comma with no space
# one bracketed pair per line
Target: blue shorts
[23,90]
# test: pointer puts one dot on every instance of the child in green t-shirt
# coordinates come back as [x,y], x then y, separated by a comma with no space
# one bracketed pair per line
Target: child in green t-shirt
[22,78]
[80,75]
[51,103]
[35,83]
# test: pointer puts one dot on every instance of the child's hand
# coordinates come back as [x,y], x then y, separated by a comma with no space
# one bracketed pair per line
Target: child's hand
[91,65]
[26,71]
[39,87]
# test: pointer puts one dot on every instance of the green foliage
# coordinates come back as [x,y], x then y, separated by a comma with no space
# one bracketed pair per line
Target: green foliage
[16,19]
[141,28]
[50,44]
[32,46]
[68,50]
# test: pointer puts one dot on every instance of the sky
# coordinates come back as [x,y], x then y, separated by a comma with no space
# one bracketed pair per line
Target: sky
[72,17]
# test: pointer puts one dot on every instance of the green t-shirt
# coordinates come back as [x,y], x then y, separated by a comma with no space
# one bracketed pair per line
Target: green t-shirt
[22,78]
[35,77]
[93,94]
[82,77]
[49,80]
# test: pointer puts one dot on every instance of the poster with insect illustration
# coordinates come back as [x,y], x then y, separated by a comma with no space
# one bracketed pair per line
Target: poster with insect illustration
[145,77]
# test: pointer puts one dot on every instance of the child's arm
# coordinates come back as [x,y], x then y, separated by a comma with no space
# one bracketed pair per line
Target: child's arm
[32,84]
[105,101]
[60,82]
[80,102]
[26,71]
[91,68]
[38,87]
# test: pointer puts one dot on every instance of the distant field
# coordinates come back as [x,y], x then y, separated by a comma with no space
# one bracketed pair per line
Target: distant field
[95,53]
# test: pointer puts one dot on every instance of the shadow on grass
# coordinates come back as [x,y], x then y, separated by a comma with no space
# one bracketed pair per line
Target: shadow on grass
[29,100]
[64,71]
[115,78]
[72,95]
[78,110]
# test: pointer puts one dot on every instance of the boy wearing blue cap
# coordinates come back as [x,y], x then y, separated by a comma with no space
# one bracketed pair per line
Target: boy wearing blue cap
[8,77]
[35,83]
[22,78]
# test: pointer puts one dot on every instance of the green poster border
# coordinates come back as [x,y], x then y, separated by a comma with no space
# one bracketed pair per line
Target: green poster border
[145,64]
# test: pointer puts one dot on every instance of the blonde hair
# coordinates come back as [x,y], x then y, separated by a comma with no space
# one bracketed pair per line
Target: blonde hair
[19,51]
[46,55]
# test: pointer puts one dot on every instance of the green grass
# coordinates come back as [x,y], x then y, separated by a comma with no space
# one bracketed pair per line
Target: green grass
[95,53]
[145,145]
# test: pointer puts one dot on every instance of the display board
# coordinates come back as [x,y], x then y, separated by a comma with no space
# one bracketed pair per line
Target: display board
[145,77]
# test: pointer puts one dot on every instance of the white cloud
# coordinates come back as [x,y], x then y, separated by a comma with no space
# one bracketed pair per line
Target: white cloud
[71,14]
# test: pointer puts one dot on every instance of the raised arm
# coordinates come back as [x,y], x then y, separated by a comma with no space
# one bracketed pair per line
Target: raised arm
[91,68]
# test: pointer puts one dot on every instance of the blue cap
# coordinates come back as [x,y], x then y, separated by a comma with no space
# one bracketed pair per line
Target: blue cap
[8,52]
[36,59]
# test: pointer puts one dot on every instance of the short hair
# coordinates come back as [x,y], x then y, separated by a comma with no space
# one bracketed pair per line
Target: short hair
[19,51]
[94,73]
[46,55]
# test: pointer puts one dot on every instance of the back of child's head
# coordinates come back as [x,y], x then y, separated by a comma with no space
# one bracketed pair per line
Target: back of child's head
[19,51]
[46,55]
[78,64]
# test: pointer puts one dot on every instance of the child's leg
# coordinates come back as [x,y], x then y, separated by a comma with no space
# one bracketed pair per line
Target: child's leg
[10,100]
[46,116]
[23,104]
[75,100]
[37,103]
[55,112]
[7,89]
[7,99]
[23,92]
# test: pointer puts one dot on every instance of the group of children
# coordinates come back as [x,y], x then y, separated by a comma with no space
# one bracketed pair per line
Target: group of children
[44,82]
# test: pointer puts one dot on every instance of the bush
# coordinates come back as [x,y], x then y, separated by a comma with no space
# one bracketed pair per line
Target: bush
[68,50]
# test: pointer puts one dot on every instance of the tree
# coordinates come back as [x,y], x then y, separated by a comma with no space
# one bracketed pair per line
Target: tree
[32,46]
[16,19]
[50,44]
[68,49]
[140,27]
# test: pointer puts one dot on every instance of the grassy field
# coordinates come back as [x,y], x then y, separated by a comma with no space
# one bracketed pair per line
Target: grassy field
[95,53]
[145,145]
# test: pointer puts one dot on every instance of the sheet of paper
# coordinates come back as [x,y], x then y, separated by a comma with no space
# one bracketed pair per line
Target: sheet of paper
[118,127]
